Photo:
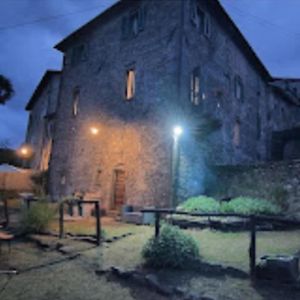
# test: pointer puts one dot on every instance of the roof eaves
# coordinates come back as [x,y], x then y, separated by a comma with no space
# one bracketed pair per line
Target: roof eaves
[234,30]
[62,44]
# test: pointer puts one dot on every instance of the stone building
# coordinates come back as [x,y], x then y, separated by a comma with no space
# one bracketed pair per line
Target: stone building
[42,108]
[141,68]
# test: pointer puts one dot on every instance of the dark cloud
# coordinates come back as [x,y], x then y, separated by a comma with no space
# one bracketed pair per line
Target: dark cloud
[26,51]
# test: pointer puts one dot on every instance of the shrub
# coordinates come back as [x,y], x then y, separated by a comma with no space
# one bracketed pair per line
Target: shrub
[172,248]
[201,204]
[37,218]
[248,206]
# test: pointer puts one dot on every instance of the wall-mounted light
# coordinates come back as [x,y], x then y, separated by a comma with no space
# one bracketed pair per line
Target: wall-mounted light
[94,130]
[25,152]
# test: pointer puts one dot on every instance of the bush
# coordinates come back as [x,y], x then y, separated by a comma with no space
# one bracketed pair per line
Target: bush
[248,206]
[172,248]
[201,204]
[37,218]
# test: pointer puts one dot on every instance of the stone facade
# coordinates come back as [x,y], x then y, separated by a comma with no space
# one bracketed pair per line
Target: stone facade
[192,68]
[42,107]
[276,181]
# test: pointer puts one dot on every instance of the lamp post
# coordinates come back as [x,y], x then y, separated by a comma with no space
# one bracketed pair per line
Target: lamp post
[177,132]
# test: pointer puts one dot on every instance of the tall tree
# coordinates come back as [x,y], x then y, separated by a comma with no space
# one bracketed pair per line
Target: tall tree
[6,89]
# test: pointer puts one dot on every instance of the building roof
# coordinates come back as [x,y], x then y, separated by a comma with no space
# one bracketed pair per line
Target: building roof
[61,46]
[215,6]
[39,89]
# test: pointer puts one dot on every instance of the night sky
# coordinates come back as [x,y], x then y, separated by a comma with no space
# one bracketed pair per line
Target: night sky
[30,28]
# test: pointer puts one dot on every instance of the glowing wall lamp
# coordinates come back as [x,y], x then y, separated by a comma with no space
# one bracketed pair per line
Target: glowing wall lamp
[25,152]
[94,130]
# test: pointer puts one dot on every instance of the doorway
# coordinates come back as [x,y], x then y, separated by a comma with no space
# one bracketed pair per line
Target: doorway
[119,189]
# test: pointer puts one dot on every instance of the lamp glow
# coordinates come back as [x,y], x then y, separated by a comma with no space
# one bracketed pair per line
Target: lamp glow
[177,131]
[94,130]
[25,152]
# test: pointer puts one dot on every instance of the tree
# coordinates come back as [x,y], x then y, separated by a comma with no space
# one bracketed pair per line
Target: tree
[6,90]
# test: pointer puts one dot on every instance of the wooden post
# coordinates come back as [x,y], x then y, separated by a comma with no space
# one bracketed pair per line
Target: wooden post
[98,222]
[28,203]
[252,249]
[157,223]
[6,212]
[61,220]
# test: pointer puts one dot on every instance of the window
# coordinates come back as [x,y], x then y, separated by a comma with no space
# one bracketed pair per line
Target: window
[237,133]
[76,98]
[133,23]
[195,86]
[197,93]
[207,25]
[200,19]
[79,54]
[130,84]
[238,88]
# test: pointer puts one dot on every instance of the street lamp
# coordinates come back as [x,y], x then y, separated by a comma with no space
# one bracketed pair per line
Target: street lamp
[177,132]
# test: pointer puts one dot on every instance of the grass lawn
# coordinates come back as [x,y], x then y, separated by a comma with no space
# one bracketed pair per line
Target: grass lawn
[76,279]
[215,246]
[232,248]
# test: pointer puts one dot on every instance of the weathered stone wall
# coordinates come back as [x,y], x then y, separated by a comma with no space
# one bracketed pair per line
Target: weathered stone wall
[39,126]
[260,111]
[134,135]
[277,181]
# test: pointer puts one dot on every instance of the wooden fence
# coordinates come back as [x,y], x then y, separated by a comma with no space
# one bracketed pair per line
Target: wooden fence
[254,220]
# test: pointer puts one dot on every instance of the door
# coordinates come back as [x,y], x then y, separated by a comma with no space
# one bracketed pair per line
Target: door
[119,189]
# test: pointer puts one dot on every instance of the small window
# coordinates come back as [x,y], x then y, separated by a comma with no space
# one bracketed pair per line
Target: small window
[207,25]
[130,84]
[133,23]
[238,88]
[237,133]
[200,19]
[197,87]
[76,98]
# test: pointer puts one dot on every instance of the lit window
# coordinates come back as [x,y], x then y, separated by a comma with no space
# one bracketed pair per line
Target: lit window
[130,84]
[238,88]
[76,97]
[196,94]
[237,133]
